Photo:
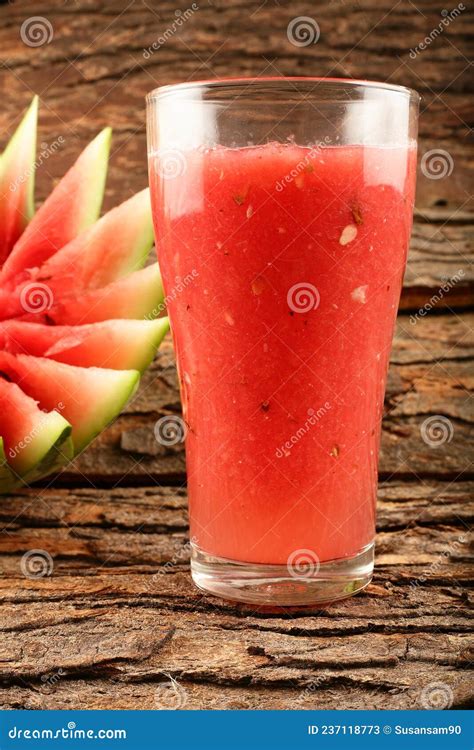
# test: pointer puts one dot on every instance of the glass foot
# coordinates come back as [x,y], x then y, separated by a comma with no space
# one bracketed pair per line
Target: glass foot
[302,582]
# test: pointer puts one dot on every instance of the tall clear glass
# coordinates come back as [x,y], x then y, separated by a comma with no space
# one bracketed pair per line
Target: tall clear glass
[283,210]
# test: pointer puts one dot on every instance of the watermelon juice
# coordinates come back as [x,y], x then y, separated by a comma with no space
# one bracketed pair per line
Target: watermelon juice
[295,259]
[282,266]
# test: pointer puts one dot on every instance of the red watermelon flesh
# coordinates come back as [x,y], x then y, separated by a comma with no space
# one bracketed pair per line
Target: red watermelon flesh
[30,436]
[73,205]
[77,321]
[95,258]
[115,344]
[88,397]
[134,296]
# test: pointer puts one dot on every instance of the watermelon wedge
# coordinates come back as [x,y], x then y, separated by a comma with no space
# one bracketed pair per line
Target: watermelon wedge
[17,176]
[89,397]
[79,315]
[73,205]
[32,438]
[134,296]
[97,257]
[115,344]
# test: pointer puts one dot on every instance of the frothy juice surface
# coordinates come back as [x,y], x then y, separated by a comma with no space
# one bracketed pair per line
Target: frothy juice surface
[283,267]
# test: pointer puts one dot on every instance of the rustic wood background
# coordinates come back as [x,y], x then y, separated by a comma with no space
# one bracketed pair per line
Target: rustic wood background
[114,625]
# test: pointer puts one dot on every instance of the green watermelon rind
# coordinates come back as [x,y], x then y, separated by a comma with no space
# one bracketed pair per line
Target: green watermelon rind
[26,130]
[17,180]
[102,143]
[138,293]
[8,480]
[47,452]
[86,213]
[51,431]
[160,328]
[61,453]
[130,380]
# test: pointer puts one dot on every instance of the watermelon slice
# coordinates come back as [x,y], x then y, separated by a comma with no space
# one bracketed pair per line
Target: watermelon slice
[32,438]
[89,397]
[17,177]
[73,205]
[77,319]
[96,257]
[134,296]
[116,344]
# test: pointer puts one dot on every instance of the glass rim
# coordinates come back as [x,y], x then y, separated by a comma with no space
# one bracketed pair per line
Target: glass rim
[235,82]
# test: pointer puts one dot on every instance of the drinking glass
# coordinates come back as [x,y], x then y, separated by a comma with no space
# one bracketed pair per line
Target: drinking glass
[282,211]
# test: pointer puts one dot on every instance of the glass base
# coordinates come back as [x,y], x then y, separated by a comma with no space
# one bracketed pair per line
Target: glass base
[294,585]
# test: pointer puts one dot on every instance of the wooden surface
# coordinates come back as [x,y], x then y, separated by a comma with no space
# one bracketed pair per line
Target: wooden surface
[117,623]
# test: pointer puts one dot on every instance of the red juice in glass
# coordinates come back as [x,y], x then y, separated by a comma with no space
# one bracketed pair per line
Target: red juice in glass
[289,261]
